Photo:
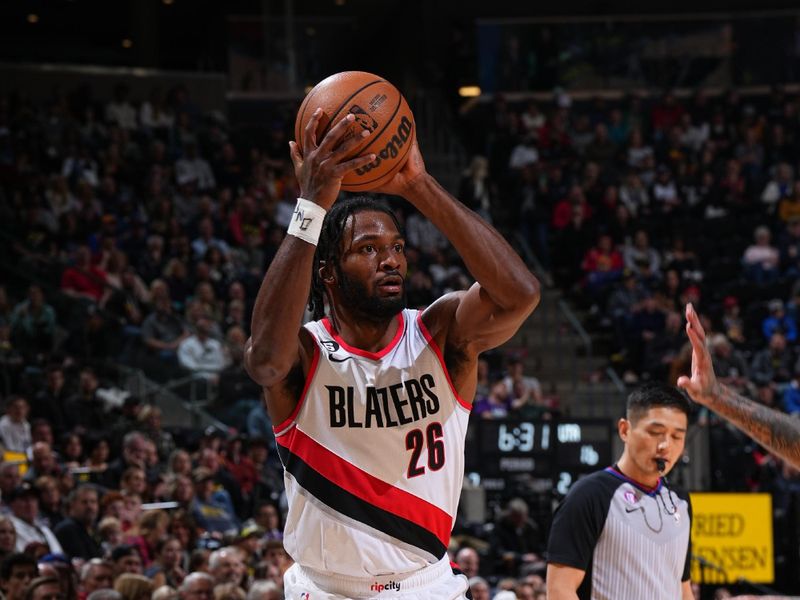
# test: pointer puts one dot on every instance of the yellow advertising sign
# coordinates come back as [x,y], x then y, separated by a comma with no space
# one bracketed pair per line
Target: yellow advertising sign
[732,538]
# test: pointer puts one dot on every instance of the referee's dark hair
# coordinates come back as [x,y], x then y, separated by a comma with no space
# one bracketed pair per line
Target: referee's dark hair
[656,394]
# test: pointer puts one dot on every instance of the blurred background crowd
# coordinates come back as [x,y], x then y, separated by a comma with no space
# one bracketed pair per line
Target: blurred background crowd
[135,229]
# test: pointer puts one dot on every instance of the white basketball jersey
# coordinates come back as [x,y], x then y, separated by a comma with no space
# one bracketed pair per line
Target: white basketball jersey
[373,455]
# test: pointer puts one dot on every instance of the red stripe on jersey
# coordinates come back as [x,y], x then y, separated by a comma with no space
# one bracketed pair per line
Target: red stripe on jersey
[358,351]
[435,347]
[311,371]
[368,487]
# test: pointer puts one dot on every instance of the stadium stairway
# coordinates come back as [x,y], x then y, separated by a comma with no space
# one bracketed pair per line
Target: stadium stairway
[556,349]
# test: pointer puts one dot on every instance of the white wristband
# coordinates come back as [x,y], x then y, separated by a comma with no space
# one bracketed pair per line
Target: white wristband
[306,222]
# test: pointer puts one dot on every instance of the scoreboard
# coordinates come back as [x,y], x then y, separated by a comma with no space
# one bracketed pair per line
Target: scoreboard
[504,450]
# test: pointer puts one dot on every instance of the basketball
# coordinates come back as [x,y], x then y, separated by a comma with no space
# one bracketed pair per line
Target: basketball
[379,107]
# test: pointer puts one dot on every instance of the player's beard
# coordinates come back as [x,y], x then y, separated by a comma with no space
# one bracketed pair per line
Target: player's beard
[356,296]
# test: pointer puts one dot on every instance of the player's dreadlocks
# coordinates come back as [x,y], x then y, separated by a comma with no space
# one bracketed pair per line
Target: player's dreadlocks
[329,248]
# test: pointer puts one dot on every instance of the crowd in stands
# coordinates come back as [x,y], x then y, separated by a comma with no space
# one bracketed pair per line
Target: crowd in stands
[639,205]
[136,232]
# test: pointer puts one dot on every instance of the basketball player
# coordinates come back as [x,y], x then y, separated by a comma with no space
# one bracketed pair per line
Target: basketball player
[371,402]
[774,430]
[623,533]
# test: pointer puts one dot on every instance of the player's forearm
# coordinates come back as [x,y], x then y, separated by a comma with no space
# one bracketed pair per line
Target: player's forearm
[560,592]
[774,430]
[490,260]
[278,312]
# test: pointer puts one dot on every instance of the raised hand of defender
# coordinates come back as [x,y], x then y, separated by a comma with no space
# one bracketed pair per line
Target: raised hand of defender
[319,168]
[702,385]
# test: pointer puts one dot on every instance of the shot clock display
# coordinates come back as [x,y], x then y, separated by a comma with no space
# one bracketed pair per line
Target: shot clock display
[561,450]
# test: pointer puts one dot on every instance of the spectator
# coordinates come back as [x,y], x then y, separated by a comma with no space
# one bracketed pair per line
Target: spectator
[50,402]
[95,574]
[120,111]
[729,364]
[779,187]
[83,280]
[479,588]
[732,322]
[86,408]
[267,517]
[634,195]
[206,240]
[779,321]
[125,559]
[133,587]
[789,248]
[162,331]
[789,206]
[772,364]
[226,565]
[229,591]
[24,503]
[45,588]
[496,405]
[43,463]
[230,490]
[77,533]
[16,572]
[8,537]
[50,506]
[201,354]
[211,512]
[193,167]
[134,454]
[9,480]
[516,375]
[641,258]
[15,431]
[516,539]
[264,590]
[33,324]
[602,265]
[196,584]
[761,260]
[476,189]
[155,116]
[167,567]
[424,235]
[468,562]
[106,594]
[151,527]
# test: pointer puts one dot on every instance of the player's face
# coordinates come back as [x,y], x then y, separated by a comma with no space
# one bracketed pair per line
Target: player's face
[372,269]
[660,433]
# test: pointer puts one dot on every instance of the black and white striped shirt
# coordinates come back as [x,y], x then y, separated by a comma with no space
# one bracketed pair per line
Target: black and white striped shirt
[633,542]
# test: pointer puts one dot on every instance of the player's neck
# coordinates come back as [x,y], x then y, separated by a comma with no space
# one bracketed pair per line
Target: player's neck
[365,334]
[628,468]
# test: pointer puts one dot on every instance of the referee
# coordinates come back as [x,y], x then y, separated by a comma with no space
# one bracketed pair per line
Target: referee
[623,533]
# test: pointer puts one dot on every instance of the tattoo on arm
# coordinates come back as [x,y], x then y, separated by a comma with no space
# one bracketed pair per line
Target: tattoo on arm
[774,430]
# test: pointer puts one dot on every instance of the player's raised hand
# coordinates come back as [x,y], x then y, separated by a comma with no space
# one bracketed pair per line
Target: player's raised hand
[702,386]
[405,177]
[320,168]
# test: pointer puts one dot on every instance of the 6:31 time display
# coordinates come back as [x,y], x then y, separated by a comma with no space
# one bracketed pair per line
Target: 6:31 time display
[521,437]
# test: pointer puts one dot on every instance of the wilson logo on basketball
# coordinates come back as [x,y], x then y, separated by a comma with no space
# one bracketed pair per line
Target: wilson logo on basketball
[363,119]
[392,148]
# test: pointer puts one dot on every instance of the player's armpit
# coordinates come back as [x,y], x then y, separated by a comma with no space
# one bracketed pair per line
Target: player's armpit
[563,581]
[686,590]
